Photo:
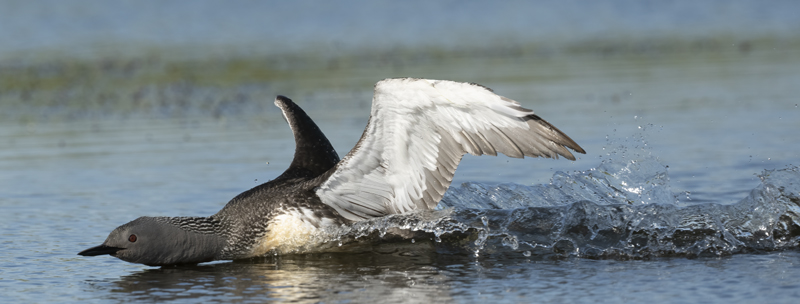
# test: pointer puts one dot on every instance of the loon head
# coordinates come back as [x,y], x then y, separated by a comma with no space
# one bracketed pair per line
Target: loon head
[158,241]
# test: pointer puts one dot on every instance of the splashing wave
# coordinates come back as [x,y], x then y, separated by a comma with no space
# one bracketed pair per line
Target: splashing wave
[617,210]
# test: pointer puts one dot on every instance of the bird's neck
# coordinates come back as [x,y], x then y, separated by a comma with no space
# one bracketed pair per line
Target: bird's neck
[196,239]
[201,225]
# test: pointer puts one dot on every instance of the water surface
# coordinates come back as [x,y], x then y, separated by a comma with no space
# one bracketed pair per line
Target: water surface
[687,192]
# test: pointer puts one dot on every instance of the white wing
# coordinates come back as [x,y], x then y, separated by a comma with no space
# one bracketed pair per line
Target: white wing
[417,133]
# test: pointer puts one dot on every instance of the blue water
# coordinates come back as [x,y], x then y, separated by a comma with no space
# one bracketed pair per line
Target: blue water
[91,27]
[689,114]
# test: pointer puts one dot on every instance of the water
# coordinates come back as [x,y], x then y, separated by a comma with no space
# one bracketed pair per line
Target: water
[402,279]
[688,193]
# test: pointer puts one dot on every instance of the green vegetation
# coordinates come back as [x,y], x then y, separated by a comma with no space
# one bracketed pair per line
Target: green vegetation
[164,83]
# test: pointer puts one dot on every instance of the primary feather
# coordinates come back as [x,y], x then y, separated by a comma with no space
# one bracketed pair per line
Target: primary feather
[416,135]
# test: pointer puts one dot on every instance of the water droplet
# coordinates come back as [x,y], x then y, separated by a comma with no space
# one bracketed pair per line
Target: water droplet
[485,221]
[482,236]
[412,241]
[511,241]
[526,253]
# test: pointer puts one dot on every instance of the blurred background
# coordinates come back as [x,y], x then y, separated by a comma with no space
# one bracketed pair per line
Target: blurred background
[98,59]
[709,84]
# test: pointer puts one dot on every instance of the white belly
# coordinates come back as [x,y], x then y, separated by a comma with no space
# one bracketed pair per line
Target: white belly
[289,233]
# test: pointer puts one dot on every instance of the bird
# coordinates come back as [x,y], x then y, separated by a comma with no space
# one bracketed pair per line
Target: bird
[417,133]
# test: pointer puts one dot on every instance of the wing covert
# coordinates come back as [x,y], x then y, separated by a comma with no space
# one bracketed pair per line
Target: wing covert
[417,133]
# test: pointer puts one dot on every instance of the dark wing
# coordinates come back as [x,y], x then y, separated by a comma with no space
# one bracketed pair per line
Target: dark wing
[313,154]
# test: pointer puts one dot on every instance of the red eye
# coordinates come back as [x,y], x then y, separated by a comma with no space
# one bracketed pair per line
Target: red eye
[132,238]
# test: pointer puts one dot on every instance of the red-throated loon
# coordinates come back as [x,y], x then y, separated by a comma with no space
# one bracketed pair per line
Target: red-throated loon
[416,135]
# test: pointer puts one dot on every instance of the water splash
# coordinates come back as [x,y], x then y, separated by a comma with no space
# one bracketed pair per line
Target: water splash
[613,182]
[621,209]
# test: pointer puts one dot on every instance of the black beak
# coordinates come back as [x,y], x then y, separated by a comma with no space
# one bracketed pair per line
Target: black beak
[100,250]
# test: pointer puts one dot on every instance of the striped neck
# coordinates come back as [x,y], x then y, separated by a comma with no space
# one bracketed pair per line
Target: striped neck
[197,224]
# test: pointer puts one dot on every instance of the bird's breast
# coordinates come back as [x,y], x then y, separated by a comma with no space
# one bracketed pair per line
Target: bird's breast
[290,232]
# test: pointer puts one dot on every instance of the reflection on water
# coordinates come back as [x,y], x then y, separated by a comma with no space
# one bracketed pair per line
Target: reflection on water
[386,277]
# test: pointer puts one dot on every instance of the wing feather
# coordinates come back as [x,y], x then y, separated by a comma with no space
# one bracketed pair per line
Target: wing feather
[418,132]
